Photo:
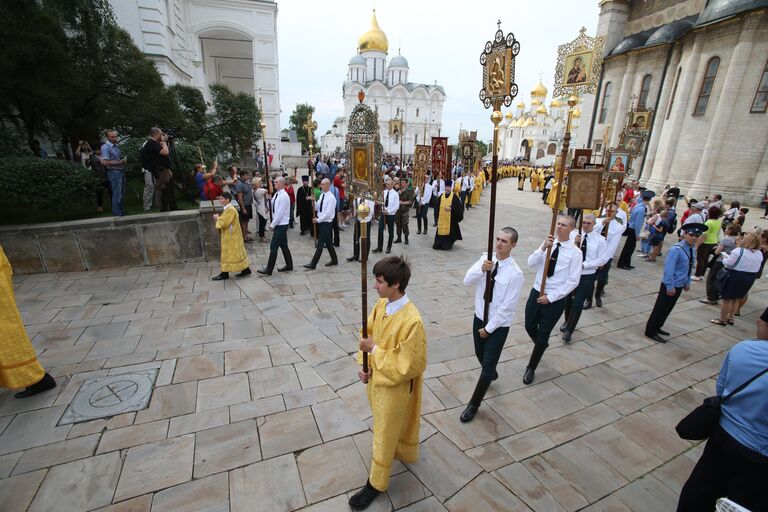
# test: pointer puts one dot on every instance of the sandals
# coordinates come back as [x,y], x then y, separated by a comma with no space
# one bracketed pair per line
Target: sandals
[717,321]
[731,322]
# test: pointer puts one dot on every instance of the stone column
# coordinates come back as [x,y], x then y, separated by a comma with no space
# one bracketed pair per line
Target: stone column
[730,85]
[627,83]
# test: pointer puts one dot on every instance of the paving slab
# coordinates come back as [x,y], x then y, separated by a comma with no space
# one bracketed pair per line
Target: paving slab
[154,466]
[274,484]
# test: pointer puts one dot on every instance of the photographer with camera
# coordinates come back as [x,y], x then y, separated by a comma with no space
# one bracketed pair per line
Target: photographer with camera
[156,165]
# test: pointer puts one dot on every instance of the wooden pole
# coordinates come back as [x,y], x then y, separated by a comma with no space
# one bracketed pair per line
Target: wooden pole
[559,177]
[496,118]
[362,213]
[310,127]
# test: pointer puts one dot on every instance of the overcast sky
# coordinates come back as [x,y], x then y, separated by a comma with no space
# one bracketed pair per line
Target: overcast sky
[316,39]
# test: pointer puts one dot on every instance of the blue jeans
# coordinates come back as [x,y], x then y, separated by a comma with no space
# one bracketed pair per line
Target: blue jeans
[116,180]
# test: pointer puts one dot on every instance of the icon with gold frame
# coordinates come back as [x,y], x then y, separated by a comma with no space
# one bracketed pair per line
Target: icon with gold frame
[420,164]
[362,155]
[498,61]
[579,64]
[584,189]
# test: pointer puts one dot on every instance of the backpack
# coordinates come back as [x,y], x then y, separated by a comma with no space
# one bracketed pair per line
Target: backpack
[146,159]
[672,222]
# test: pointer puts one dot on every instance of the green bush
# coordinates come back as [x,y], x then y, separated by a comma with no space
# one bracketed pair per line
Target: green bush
[46,183]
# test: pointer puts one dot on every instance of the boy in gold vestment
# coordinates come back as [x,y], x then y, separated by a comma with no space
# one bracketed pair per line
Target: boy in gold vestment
[233,255]
[397,357]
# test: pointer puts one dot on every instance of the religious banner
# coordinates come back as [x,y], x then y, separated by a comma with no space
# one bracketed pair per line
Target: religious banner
[581,158]
[579,64]
[440,157]
[420,164]
[448,163]
[365,153]
[584,189]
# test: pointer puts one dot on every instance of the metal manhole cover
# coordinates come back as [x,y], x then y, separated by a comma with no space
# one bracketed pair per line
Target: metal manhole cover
[110,396]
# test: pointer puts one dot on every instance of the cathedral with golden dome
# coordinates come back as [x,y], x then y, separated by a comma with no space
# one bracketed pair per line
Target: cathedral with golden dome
[535,132]
[389,92]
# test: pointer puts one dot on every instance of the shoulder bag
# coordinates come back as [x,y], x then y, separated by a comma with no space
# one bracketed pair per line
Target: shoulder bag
[724,274]
[701,422]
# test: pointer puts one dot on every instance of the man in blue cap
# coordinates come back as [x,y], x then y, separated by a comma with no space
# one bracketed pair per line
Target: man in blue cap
[634,227]
[676,278]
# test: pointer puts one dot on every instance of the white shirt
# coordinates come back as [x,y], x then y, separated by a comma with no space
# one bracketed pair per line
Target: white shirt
[694,217]
[328,207]
[396,305]
[506,291]
[622,216]
[567,270]
[371,207]
[615,230]
[750,260]
[281,209]
[427,194]
[392,201]
[440,187]
[597,253]
[465,183]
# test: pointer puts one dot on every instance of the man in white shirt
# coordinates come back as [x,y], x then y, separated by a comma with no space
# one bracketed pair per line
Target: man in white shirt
[594,254]
[489,338]
[465,188]
[423,200]
[281,216]
[611,228]
[563,274]
[390,208]
[356,237]
[326,212]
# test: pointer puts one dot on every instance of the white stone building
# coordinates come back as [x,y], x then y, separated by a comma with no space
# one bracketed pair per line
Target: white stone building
[202,42]
[390,94]
[703,66]
[536,133]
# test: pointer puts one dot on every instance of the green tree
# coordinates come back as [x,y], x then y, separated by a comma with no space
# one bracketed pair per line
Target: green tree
[235,119]
[481,148]
[297,121]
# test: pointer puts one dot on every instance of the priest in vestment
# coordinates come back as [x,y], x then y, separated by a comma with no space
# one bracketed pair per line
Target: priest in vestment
[304,205]
[233,255]
[19,367]
[397,357]
[451,212]
[474,197]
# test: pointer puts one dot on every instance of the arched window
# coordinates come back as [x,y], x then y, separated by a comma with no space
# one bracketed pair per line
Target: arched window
[417,112]
[706,86]
[551,149]
[760,102]
[539,154]
[604,105]
[674,92]
[645,88]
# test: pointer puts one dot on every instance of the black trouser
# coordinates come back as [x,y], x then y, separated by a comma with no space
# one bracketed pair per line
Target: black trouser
[100,188]
[712,293]
[574,302]
[463,196]
[279,239]
[625,258]
[729,469]
[402,223]
[335,229]
[544,195]
[262,224]
[702,258]
[324,239]
[488,350]
[540,319]
[356,241]
[436,209]
[661,310]
[602,273]
[389,220]
[421,215]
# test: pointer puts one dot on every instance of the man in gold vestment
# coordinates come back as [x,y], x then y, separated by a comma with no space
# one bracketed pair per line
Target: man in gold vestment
[233,255]
[19,367]
[397,357]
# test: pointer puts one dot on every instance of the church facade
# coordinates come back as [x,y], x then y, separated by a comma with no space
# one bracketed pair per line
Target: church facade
[393,97]
[204,42]
[703,67]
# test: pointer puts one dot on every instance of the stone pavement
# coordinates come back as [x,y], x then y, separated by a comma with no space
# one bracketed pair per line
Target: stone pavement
[256,405]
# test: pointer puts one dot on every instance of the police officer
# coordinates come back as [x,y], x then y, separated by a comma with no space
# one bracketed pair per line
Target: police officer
[676,278]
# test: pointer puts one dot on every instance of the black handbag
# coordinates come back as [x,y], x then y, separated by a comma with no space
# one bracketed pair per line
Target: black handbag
[724,274]
[701,422]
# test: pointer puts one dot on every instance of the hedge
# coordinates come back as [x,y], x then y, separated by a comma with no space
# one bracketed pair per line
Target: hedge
[46,183]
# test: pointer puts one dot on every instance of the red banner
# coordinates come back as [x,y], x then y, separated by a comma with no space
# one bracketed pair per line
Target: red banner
[440,158]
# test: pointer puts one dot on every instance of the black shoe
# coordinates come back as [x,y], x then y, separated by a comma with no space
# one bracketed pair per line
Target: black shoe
[397,241]
[598,301]
[563,327]
[378,249]
[425,232]
[220,277]
[567,337]
[624,267]
[631,267]
[302,233]
[244,273]
[352,258]
[264,272]
[587,304]
[656,337]
[528,377]
[332,263]
[364,497]
[418,232]
[388,251]
[468,414]
[406,240]
[663,332]
[309,266]
[337,244]
[44,384]
[286,268]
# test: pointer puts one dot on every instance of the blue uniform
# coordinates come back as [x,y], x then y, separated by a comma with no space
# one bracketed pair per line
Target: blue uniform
[677,267]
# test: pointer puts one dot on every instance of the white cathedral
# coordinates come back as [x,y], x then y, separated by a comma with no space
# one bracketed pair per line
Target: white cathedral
[388,91]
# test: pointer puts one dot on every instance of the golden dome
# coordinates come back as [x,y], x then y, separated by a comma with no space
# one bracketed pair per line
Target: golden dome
[528,122]
[539,91]
[541,110]
[555,103]
[373,40]
[508,115]
[577,112]
[521,104]
[517,123]
[536,102]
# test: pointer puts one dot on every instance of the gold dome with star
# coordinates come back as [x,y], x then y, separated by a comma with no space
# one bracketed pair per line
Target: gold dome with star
[373,40]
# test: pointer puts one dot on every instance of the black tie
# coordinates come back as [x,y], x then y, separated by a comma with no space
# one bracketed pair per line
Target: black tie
[605,228]
[489,291]
[584,248]
[322,198]
[386,200]
[274,199]
[553,260]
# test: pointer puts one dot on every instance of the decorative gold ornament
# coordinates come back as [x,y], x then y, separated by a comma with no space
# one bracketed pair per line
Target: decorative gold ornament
[579,64]
[498,61]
